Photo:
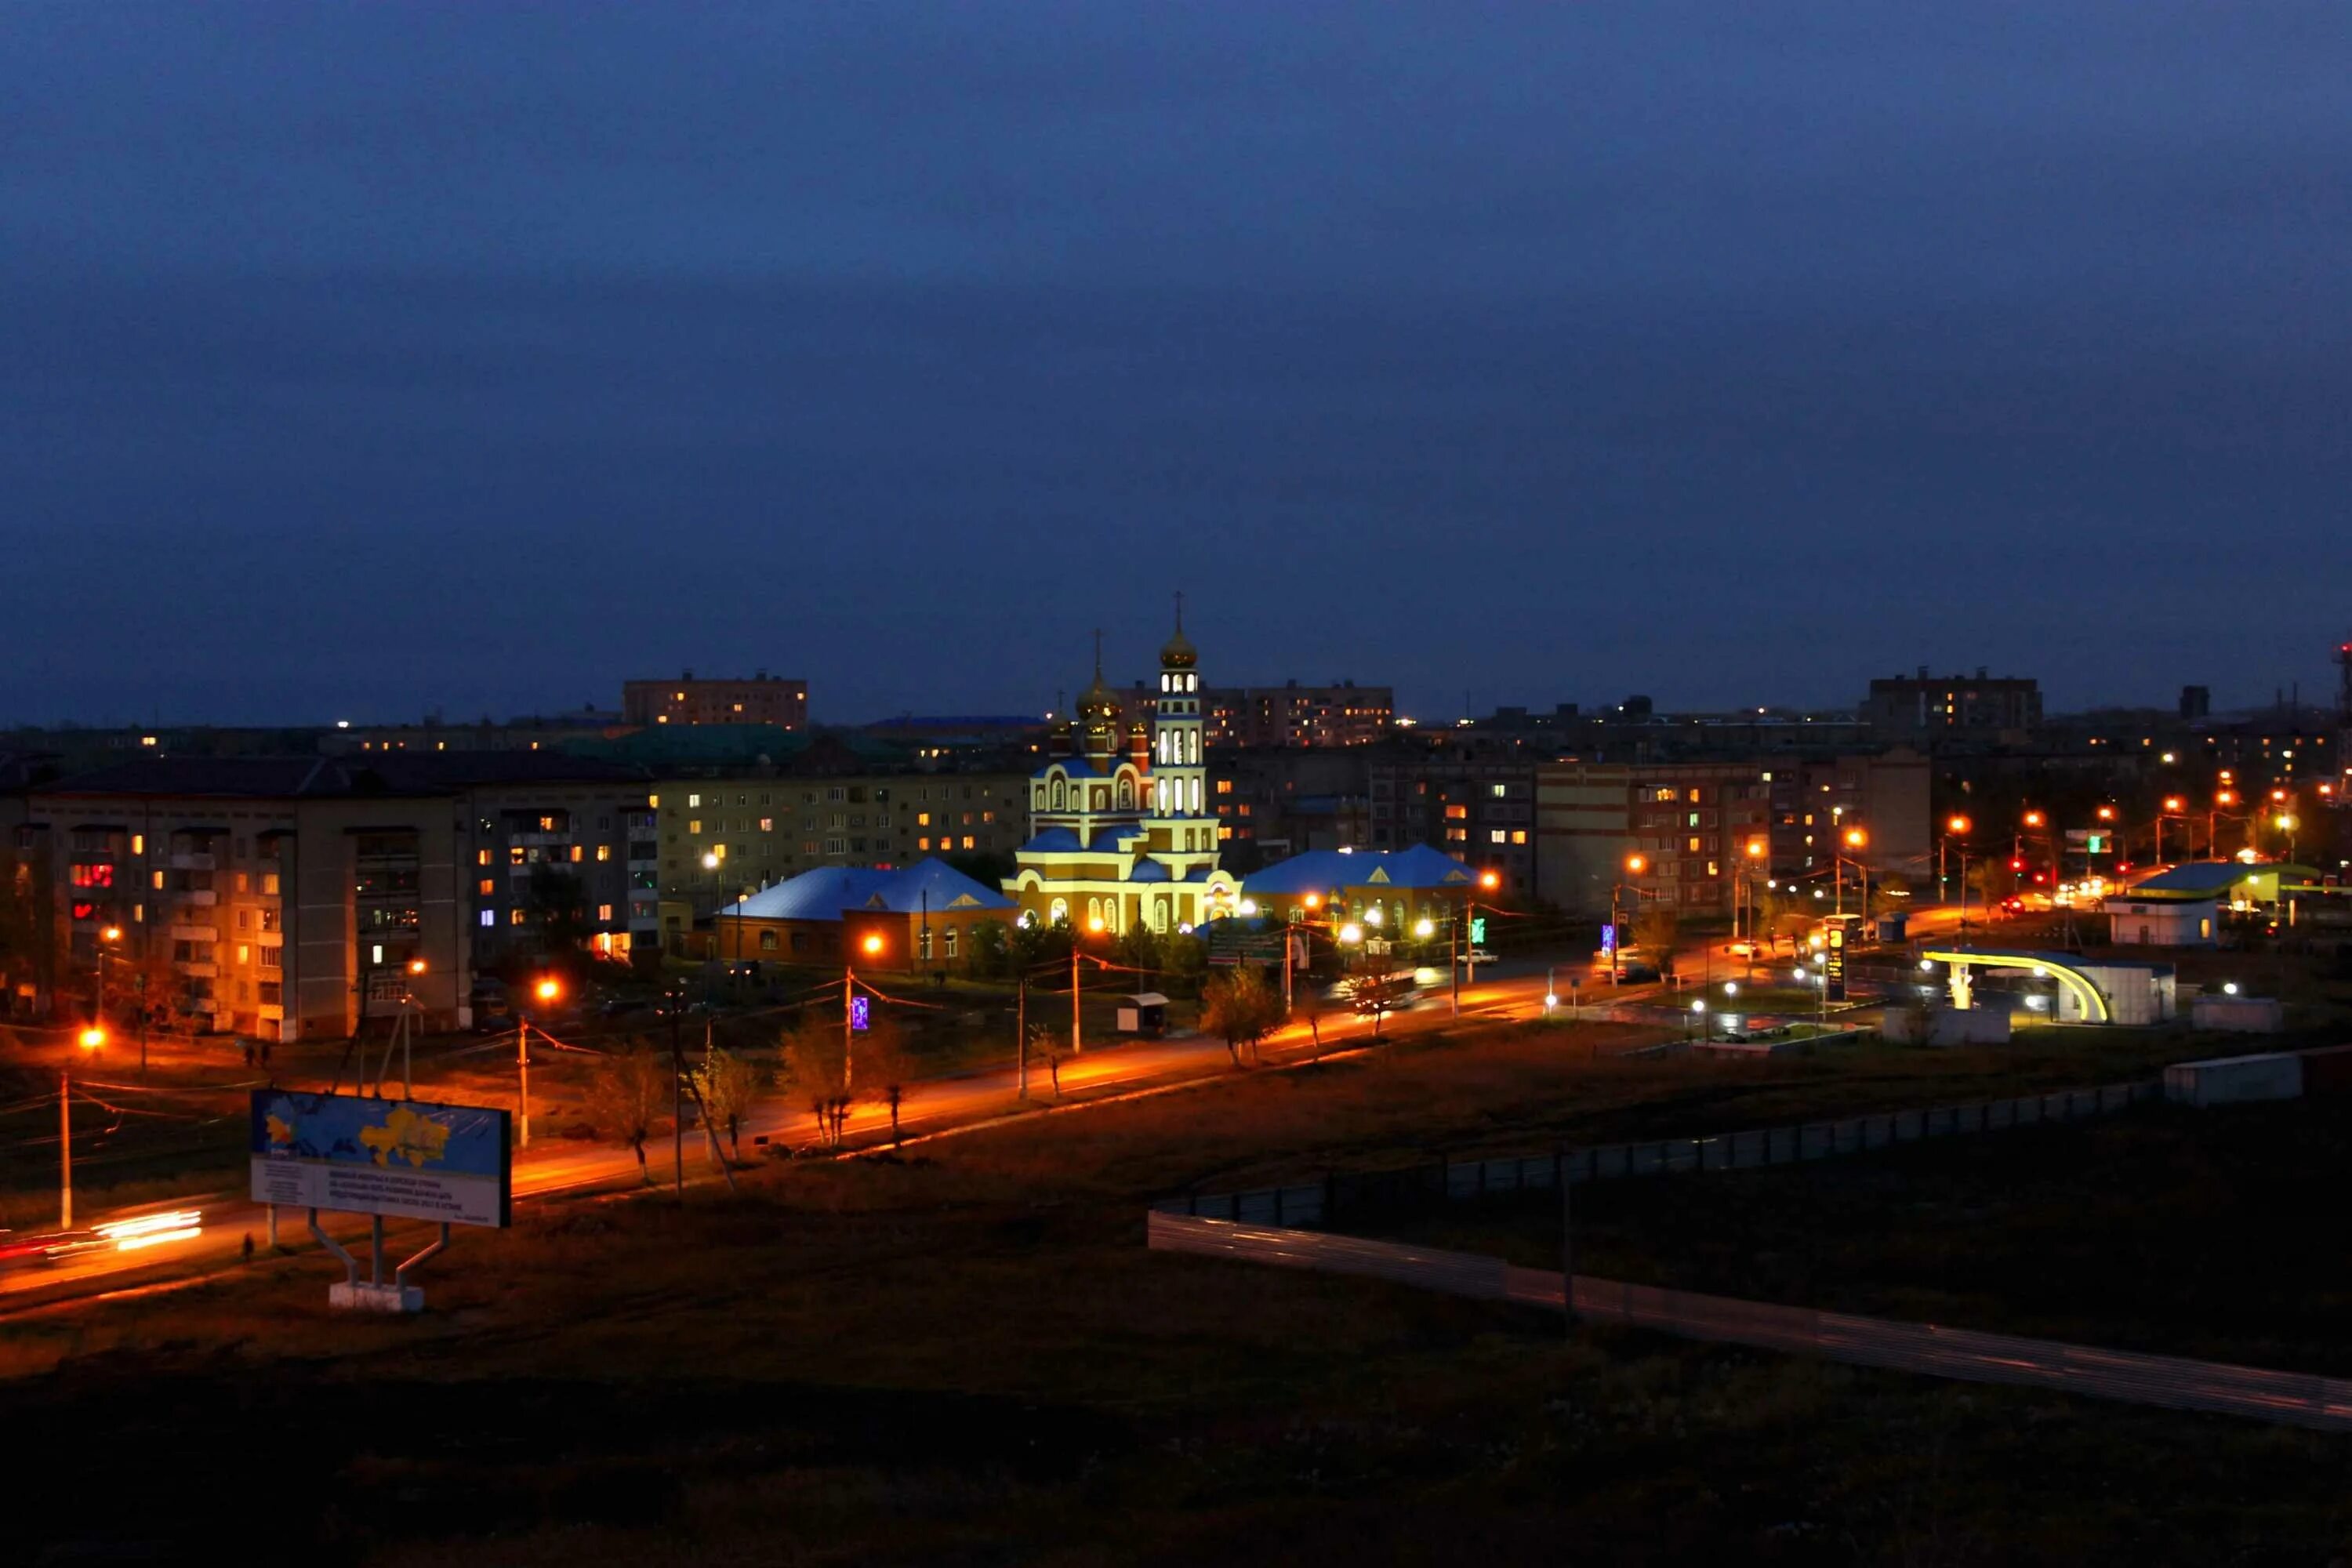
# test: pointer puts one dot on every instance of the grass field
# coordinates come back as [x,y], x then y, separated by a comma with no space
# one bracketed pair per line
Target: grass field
[965,1354]
[2210,1234]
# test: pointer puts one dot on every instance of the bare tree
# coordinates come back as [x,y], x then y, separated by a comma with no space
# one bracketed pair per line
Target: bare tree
[1654,931]
[1241,1009]
[1377,991]
[885,1069]
[625,1099]
[727,1084]
[816,1069]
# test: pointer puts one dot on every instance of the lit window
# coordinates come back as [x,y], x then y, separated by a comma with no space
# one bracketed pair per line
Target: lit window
[922,844]
[767,825]
[1518,836]
[139,844]
[514,916]
[1694,845]
[575,854]
[694,824]
[487,888]
[653,803]
[967,840]
[694,800]
[604,912]
[1498,791]
[922,819]
[1496,835]
[603,852]
[481,857]
[547,825]
[489,917]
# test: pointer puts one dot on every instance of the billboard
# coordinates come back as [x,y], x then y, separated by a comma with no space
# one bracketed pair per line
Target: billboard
[402,1158]
[1834,965]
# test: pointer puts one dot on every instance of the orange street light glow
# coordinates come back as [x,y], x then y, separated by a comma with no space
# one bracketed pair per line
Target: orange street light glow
[416,966]
[112,933]
[1958,826]
[2173,802]
[2033,819]
[2106,813]
[1094,922]
[1856,837]
[1756,850]
[874,940]
[1489,879]
[1636,864]
[2226,797]
[1313,900]
[547,990]
[92,1038]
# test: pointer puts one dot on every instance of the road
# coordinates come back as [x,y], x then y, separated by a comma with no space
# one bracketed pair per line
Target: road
[551,1167]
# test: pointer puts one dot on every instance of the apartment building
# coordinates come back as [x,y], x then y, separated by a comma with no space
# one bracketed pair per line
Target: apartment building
[1289,715]
[762,699]
[288,897]
[723,838]
[1925,707]
[1691,823]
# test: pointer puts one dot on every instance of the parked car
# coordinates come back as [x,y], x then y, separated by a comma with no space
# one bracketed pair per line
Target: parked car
[1474,955]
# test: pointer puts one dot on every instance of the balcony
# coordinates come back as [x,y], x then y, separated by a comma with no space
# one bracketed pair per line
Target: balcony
[272,1013]
[200,897]
[181,931]
[206,971]
[191,862]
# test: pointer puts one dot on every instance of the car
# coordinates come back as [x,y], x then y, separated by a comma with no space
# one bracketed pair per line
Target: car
[1632,971]
[48,1246]
[1474,955]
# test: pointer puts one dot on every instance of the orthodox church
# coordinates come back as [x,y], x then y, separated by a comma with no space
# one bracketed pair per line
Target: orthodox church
[1121,831]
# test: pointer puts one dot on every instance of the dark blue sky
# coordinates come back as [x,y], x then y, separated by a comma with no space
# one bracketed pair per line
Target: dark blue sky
[357,361]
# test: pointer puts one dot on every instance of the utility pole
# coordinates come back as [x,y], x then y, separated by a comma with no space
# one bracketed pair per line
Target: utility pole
[1077,1045]
[1567,1247]
[1614,955]
[1021,1035]
[677,1107]
[1454,964]
[522,1070]
[848,1024]
[65,1150]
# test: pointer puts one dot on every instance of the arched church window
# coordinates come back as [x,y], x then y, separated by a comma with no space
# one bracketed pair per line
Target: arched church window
[1057,794]
[1060,912]
[1125,793]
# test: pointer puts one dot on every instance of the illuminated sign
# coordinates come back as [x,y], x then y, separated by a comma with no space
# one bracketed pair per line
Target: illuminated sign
[1609,937]
[861,1012]
[1833,966]
[404,1158]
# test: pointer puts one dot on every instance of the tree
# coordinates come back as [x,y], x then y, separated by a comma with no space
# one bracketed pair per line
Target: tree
[1310,1007]
[992,955]
[726,1085]
[1377,991]
[814,1069]
[1654,931]
[1184,962]
[1993,880]
[1241,1009]
[885,1069]
[625,1099]
[1889,894]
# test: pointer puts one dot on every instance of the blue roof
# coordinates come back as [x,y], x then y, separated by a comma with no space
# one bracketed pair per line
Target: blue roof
[1321,870]
[1148,871]
[2196,877]
[823,894]
[1053,838]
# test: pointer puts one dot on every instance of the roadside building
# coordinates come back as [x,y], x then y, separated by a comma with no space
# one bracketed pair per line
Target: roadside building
[1408,887]
[1924,709]
[925,916]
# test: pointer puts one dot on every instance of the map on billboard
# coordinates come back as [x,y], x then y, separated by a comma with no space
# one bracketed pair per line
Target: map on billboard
[402,1158]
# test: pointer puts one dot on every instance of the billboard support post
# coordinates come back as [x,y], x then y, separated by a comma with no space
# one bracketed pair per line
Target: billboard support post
[441,1163]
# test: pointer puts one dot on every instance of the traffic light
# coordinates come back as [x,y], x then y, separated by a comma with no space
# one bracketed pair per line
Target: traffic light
[2098,843]
[2017,863]
[1477,929]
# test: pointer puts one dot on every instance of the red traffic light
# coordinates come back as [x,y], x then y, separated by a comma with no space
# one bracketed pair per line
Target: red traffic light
[2016,863]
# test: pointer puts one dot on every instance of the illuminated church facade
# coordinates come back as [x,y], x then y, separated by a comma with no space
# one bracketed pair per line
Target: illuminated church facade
[1122,832]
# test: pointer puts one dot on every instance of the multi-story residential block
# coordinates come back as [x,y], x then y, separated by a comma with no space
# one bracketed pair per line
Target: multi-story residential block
[1925,708]
[1815,801]
[1473,798]
[1691,824]
[1344,714]
[290,897]
[763,699]
[721,839]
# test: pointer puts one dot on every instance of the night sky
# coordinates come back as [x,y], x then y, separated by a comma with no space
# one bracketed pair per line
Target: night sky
[358,360]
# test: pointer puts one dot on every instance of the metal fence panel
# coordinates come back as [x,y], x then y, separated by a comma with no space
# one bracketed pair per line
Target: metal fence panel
[1749,1148]
[1714,1153]
[1609,1160]
[1781,1144]
[1877,1132]
[1908,1126]
[1646,1159]
[2027,1111]
[1845,1137]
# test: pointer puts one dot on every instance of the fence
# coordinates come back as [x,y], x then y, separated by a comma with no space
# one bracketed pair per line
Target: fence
[2285,1398]
[1449,1179]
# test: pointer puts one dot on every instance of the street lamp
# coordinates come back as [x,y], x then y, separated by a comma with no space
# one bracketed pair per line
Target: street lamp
[1956,826]
[92,1038]
[2172,806]
[1635,866]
